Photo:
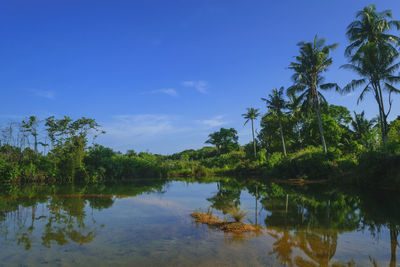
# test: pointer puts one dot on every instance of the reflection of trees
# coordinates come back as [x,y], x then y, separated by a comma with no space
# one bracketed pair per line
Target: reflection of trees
[394,233]
[283,246]
[228,196]
[381,209]
[62,210]
[66,222]
[309,222]
[319,246]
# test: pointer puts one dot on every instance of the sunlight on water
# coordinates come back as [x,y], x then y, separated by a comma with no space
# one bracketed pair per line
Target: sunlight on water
[147,223]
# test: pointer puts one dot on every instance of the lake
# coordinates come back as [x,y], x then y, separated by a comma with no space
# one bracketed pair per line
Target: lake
[147,223]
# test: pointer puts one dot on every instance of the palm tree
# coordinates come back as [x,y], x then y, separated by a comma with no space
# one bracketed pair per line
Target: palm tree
[251,115]
[216,140]
[276,104]
[361,125]
[296,113]
[372,27]
[310,64]
[30,125]
[374,59]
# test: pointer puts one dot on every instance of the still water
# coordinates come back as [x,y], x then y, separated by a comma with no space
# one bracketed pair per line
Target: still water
[147,223]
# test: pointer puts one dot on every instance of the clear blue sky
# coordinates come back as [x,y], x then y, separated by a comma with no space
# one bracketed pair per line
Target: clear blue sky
[161,75]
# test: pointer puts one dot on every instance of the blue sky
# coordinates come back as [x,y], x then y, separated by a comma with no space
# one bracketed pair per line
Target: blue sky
[161,75]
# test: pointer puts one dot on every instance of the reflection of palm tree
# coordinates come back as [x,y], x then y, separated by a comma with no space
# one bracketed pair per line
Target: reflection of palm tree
[394,233]
[319,247]
[283,245]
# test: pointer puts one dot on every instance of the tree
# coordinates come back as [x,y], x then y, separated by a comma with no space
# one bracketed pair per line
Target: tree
[225,140]
[394,131]
[251,115]
[310,64]
[276,104]
[30,125]
[361,125]
[372,53]
[371,26]
[69,139]
[297,116]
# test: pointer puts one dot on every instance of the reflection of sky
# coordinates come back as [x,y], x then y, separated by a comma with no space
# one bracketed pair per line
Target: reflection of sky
[156,229]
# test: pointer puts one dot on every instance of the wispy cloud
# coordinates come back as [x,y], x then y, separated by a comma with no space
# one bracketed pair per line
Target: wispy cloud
[158,132]
[167,91]
[144,125]
[43,93]
[216,121]
[201,86]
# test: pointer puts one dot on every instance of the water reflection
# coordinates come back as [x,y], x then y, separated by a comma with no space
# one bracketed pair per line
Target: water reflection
[310,218]
[61,210]
[302,225]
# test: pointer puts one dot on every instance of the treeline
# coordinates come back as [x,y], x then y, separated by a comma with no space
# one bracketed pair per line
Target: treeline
[300,136]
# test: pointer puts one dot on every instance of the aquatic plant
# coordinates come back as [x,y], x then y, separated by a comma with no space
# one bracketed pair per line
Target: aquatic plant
[237,214]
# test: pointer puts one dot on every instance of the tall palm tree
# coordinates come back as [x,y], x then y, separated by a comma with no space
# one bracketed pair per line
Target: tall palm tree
[251,115]
[371,26]
[276,104]
[374,58]
[308,68]
[296,113]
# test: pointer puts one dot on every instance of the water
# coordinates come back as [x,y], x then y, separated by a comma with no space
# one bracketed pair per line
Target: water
[147,223]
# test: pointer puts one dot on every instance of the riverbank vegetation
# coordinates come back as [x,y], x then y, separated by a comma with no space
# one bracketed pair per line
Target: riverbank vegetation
[301,135]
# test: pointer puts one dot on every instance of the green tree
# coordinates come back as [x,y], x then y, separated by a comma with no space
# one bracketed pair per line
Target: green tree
[69,139]
[31,126]
[310,64]
[372,53]
[276,104]
[361,125]
[394,131]
[251,115]
[371,26]
[225,140]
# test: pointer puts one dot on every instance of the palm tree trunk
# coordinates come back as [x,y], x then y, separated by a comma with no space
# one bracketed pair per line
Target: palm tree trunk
[393,245]
[384,122]
[381,112]
[282,138]
[321,130]
[36,143]
[254,140]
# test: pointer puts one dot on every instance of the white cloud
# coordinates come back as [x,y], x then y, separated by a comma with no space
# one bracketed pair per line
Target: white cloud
[43,93]
[158,133]
[216,121]
[143,126]
[167,91]
[200,86]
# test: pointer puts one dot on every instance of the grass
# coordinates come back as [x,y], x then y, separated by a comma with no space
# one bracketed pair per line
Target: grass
[237,214]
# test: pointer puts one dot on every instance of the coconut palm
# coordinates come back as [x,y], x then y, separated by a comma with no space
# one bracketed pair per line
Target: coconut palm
[251,115]
[361,125]
[377,69]
[276,104]
[297,114]
[308,68]
[374,58]
[371,26]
